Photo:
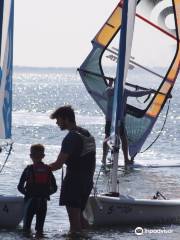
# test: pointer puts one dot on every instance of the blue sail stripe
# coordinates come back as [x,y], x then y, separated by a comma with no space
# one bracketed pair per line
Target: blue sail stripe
[7,108]
[6,67]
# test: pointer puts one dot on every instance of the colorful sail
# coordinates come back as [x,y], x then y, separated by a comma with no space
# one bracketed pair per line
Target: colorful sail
[154,63]
[6,58]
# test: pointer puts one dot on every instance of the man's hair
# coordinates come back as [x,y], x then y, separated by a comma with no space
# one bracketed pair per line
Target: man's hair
[65,112]
[37,148]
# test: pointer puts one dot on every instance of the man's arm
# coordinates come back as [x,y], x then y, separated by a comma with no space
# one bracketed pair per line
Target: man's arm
[62,158]
[138,93]
[109,92]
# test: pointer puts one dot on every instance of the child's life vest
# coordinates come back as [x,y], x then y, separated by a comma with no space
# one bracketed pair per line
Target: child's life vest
[39,181]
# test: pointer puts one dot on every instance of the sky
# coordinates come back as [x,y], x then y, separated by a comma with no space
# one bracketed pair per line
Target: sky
[57,33]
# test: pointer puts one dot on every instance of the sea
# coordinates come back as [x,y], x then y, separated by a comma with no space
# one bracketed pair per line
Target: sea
[37,92]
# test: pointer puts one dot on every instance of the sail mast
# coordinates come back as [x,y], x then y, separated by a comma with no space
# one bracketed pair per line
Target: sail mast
[125,43]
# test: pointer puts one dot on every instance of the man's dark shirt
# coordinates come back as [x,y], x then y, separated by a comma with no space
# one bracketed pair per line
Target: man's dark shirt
[73,145]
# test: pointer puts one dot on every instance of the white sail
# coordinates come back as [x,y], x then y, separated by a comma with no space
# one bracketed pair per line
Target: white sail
[11,207]
[6,55]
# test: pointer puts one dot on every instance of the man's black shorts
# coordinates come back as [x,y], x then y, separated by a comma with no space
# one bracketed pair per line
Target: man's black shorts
[75,191]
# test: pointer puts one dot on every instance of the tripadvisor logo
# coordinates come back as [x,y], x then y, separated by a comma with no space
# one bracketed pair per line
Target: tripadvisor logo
[139,231]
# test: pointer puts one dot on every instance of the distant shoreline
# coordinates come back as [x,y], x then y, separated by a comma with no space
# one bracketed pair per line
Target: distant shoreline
[70,69]
[40,69]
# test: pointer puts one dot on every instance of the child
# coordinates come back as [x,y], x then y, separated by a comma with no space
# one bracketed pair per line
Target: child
[37,183]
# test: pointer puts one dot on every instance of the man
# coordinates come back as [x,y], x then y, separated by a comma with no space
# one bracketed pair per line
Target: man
[109,94]
[78,153]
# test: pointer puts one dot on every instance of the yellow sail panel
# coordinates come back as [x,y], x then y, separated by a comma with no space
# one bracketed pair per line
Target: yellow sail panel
[172,74]
[166,87]
[177,10]
[156,106]
[159,99]
[110,27]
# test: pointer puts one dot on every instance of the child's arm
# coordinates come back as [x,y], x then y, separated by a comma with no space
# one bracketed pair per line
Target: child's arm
[22,181]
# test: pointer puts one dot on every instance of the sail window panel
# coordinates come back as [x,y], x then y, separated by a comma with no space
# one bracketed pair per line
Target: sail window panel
[153,49]
[159,13]
[96,87]
[95,84]
[110,28]
[136,127]
[92,62]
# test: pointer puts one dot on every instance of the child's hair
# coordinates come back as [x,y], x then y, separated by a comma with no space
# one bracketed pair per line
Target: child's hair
[37,148]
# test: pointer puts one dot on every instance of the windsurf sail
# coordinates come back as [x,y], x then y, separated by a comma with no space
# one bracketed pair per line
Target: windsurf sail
[154,63]
[6,61]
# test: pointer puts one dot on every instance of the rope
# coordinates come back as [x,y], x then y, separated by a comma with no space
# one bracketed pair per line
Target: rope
[111,148]
[95,185]
[159,194]
[160,130]
[147,98]
[7,157]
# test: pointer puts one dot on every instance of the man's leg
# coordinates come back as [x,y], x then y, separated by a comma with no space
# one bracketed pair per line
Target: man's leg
[74,215]
[105,145]
[105,151]
[87,191]
[124,145]
[84,222]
